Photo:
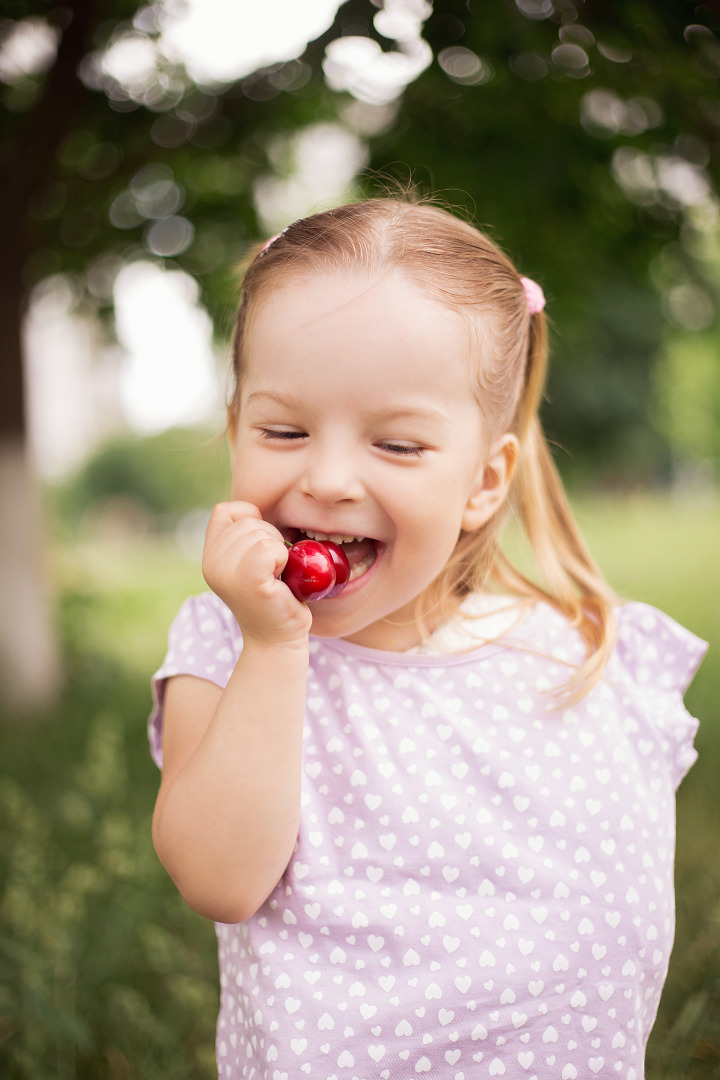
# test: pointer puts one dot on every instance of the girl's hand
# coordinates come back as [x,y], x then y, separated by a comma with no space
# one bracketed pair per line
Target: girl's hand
[242,562]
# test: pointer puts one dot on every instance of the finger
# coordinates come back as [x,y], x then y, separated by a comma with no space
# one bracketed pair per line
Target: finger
[226,514]
[247,552]
[265,558]
[236,537]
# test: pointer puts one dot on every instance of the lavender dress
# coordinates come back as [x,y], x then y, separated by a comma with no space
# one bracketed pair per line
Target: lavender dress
[483,883]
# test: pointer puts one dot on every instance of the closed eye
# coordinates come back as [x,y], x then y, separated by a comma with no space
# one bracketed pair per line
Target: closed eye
[402,449]
[282,434]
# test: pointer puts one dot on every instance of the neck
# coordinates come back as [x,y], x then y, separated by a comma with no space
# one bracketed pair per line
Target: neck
[404,630]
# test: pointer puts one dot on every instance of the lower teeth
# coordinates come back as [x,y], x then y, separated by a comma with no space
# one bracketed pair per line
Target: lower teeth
[362,566]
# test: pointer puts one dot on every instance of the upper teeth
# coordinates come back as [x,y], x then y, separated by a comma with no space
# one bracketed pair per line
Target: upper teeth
[336,538]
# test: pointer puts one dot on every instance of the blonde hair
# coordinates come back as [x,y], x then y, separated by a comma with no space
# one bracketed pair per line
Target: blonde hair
[456,264]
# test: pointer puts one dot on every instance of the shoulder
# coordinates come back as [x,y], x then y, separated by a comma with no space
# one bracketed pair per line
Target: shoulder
[655,651]
[204,639]
[654,661]
[652,651]
[205,642]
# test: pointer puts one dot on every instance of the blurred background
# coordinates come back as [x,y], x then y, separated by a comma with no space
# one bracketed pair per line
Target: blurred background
[143,148]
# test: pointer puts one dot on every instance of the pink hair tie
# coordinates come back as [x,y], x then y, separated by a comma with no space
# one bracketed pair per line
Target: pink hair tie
[534,295]
[269,243]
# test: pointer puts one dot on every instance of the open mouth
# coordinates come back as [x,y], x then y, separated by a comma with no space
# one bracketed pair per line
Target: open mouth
[361,551]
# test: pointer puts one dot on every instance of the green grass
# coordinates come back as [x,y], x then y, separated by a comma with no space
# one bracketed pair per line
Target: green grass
[104,972]
[106,975]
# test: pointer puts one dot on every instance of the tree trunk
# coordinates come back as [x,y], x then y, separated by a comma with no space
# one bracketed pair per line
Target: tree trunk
[30,677]
[29,659]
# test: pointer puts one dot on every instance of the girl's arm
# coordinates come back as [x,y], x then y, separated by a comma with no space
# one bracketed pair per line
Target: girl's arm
[227,813]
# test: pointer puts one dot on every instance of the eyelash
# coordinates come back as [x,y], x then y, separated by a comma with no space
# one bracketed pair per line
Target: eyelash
[398,449]
[269,433]
[402,451]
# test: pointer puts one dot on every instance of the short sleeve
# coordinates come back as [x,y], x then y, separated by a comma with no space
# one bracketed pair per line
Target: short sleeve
[660,657]
[204,641]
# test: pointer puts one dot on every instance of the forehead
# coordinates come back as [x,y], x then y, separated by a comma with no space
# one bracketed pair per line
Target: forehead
[348,312]
[330,290]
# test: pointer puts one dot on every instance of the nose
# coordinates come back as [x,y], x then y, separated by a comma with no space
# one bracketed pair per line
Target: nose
[331,475]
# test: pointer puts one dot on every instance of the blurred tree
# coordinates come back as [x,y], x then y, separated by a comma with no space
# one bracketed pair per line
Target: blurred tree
[166,476]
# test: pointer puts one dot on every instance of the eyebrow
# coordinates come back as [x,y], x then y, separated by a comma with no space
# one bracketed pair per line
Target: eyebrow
[411,412]
[261,396]
[391,412]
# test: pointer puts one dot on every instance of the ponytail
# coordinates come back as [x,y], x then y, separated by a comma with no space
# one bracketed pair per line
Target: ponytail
[570,579]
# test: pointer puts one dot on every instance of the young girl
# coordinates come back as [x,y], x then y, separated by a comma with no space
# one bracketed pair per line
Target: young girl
[433,815]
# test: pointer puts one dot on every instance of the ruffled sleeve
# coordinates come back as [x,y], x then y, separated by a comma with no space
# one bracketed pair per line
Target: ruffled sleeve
[204,641]
[659,658]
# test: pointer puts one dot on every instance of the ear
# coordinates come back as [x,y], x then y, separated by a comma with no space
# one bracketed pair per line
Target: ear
[493,483]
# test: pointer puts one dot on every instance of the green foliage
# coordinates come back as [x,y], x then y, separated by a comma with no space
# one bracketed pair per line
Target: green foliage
[101,965]
[106,975]
[121,158]
[689,396]
[160,476]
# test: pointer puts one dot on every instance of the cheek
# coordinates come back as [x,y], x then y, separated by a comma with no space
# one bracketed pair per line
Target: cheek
[253,461]
[237,490]
[428,538]
[249,479]
[435,507]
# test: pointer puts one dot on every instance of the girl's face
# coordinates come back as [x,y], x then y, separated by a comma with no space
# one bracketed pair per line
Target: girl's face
[357,419]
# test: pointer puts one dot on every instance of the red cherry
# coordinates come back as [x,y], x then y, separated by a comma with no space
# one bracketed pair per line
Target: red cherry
[341,564]
[315,570]
[310,571]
